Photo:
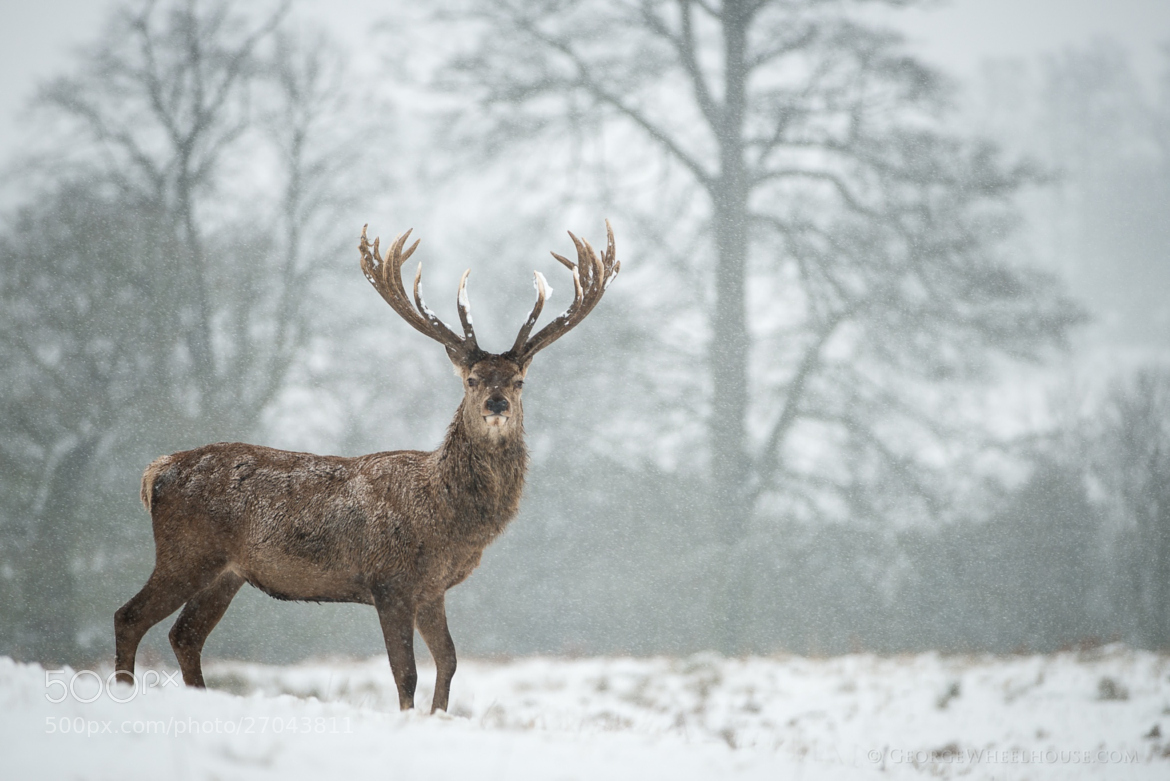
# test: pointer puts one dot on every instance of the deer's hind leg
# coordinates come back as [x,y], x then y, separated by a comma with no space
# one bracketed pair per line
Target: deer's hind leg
[200,615]
[166,590]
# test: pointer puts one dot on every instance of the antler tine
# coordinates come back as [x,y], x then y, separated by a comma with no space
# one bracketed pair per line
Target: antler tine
[406,255]
[543,291]
[571,266]
[610,259]
[395,257]
[591,276]
[585,259]
[442,331]
[464,306]
[386,277]
[564,261]
[605,269]
[593,272]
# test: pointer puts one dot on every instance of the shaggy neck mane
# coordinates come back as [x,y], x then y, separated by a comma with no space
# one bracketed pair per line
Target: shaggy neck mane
[480,477]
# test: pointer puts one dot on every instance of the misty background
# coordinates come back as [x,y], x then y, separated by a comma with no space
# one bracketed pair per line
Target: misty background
[887,367]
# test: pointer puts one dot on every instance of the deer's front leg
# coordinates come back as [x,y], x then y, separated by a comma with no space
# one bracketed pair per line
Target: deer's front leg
[432,625]
[396,614]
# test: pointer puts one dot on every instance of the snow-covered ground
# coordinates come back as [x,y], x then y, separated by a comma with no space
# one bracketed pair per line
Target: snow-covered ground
[1103,713]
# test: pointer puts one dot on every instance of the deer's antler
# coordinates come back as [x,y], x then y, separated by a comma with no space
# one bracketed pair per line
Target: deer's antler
[386,277]
[591,276]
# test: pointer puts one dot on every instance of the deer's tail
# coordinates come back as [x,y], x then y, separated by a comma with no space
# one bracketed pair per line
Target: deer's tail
[148,478]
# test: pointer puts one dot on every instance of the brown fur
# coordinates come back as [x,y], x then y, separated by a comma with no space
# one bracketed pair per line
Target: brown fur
[394,530]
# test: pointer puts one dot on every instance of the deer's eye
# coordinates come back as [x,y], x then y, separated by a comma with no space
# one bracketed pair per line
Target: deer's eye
[472,382]
[518,384]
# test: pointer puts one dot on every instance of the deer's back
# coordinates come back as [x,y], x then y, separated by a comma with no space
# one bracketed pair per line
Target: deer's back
[297,525]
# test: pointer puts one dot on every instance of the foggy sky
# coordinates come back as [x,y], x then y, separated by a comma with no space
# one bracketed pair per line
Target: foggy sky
[37,35]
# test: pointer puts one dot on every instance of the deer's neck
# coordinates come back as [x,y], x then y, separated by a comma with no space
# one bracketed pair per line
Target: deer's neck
[481,477]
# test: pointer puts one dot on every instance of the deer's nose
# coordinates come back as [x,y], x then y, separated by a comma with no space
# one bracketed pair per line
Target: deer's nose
[497,405]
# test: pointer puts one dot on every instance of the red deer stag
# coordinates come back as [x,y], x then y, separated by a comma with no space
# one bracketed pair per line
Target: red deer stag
[394,530]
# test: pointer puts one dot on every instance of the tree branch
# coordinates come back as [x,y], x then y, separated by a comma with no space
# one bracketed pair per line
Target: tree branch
[684,45]
[587,81]
[838,183]
[769,459]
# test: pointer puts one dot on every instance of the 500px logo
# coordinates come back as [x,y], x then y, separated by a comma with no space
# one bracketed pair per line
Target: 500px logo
[90,691]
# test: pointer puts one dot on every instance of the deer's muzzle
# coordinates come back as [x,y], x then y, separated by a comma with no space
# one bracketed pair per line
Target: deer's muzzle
[495,411]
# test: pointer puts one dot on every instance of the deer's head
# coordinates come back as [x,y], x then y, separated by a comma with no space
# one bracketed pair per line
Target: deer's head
[492,382]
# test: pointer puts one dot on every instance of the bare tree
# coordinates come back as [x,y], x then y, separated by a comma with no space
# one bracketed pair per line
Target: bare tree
[826,175]
[1137,461]
[188,126]
[76,350]
[167,103]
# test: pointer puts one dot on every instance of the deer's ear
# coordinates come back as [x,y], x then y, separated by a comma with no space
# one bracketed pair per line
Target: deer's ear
[458,362]
[464,357]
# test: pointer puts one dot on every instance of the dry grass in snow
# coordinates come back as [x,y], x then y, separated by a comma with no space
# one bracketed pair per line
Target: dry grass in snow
[1103,713]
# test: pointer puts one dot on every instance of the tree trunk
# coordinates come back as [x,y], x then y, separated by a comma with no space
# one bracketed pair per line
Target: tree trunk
[50,587]
[1158,600]
[728,358]
[198,332]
